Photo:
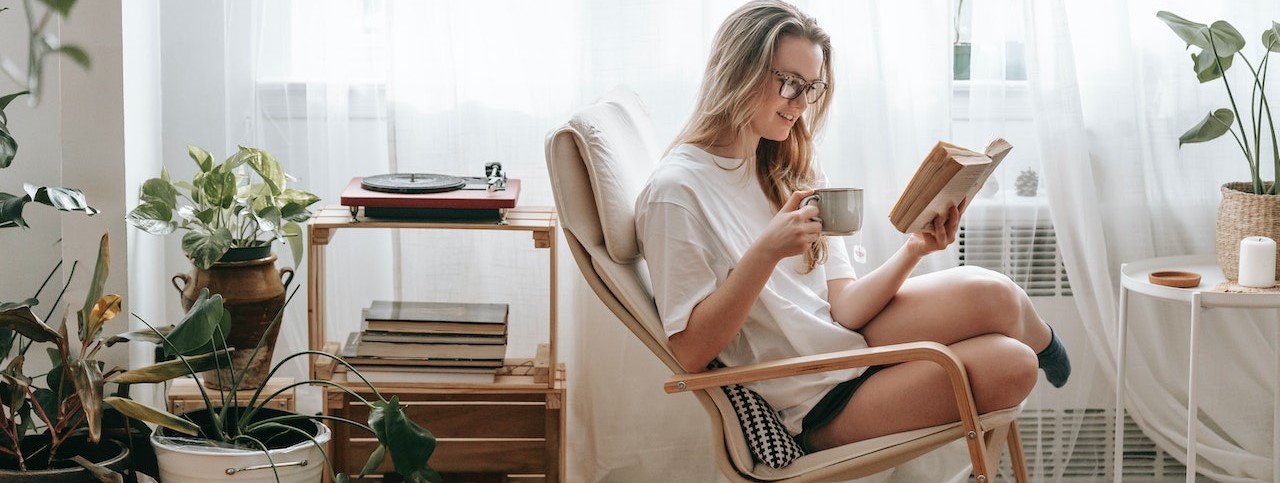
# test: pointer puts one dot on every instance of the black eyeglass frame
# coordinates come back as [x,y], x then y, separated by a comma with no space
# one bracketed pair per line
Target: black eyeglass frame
[812,91]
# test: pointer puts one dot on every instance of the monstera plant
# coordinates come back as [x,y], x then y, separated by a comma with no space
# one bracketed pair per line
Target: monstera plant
[42,43]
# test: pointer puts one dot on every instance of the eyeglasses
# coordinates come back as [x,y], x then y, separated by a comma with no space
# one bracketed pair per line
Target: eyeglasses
[793,86]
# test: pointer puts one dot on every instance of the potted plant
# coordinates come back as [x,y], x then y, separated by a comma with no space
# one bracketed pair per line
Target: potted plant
[231,212]
[241,440]
[1248,208]
[53,426]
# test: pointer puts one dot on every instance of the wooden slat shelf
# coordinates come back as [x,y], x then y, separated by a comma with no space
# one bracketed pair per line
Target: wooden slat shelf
[513,427]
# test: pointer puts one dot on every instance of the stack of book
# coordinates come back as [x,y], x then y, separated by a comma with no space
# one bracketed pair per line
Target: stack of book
[429,342]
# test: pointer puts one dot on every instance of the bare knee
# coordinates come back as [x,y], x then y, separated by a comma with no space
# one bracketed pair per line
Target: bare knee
[1002,371]
[998,302]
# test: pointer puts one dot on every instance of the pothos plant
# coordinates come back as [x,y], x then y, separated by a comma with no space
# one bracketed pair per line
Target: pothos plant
[243,201]
[1219,44]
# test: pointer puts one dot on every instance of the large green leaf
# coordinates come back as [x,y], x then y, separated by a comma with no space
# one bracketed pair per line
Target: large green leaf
[11,210]
[153,218]
[1271,37]
[1207,69]
[410,445]
[8,147]
[294,212]
[267,167]
[217,188]
[1226,39]
[6,342]
[206,248]
[87,376]
[292,233]
[157,190]
[23,321]
[303,198]
[1211,127]
[268,218]
[196,332]
[168,370]
[203,159]
[4,103]
[65,199]
[1193,33]
[142,335]
[137,410]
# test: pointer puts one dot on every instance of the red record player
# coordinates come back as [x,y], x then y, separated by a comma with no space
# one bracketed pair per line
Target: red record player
[475,201]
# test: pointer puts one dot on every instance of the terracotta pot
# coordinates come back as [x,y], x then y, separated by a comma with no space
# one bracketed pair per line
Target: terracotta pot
[107,453]
[254,292]
[1244,214]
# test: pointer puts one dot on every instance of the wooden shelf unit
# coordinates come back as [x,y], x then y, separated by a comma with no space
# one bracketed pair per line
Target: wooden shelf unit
[184,396]
[513,426]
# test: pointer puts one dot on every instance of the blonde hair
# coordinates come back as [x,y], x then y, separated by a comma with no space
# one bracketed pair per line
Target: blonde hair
[741,61]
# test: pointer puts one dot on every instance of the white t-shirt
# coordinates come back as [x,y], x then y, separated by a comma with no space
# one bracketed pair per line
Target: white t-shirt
[695,219]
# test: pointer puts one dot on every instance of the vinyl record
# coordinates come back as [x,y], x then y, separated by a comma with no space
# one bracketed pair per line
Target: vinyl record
[412,183]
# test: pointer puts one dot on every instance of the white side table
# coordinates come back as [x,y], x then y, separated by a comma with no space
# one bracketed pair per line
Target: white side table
[1133,278]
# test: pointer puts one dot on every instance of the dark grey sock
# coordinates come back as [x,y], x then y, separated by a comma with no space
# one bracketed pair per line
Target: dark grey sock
[1054,361]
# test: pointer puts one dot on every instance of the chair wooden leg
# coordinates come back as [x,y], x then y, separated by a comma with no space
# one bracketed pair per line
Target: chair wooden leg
[982,469]
[1015,454]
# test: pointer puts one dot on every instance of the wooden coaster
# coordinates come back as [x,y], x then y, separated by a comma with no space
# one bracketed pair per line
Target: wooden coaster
[1174,279]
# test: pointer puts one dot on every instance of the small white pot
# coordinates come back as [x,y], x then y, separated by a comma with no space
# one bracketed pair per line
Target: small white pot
[301,463]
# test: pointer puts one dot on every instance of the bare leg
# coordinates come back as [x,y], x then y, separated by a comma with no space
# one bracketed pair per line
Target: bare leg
[957,304]
[918,394]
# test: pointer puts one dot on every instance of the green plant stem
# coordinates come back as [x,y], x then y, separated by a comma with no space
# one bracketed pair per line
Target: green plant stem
[1264,107]
[1275,144]
[1253,165]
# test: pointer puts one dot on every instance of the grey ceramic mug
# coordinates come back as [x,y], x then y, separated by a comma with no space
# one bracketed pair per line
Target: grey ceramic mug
[839,209]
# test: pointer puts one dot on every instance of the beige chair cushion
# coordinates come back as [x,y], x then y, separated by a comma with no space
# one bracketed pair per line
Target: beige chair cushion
[615,138]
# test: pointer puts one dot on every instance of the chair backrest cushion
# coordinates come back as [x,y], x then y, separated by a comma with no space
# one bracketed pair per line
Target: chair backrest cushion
[599,162]
[618,149]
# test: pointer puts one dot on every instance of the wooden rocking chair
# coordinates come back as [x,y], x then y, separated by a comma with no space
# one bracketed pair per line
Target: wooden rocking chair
[598,162]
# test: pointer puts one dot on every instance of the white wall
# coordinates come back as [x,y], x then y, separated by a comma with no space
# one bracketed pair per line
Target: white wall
[93,154]
[26,256]
[142,131]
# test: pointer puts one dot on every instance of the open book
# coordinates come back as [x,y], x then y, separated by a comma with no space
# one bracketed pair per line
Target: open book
[948,175]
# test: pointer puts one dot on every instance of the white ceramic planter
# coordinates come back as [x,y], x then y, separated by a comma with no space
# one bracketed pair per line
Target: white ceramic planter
[196,464]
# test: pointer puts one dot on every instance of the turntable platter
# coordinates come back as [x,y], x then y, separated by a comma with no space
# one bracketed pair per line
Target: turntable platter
[412,183]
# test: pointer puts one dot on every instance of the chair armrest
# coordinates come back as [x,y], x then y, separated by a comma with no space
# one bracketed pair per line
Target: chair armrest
[871,356]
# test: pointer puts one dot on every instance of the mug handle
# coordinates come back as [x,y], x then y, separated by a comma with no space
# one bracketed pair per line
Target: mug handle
[809,200]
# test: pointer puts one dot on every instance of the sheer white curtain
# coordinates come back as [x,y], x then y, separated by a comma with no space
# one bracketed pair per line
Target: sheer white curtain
[338,89]
[1112,90]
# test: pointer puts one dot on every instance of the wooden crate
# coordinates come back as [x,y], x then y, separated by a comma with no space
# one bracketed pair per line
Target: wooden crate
[184,397]
[507,431]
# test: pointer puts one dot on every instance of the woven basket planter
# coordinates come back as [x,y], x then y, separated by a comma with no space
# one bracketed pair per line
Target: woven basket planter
[1244,214]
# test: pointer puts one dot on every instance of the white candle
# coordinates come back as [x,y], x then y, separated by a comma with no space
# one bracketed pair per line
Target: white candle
[1258,262]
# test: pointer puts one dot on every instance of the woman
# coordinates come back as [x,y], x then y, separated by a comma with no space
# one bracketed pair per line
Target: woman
[741,274]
